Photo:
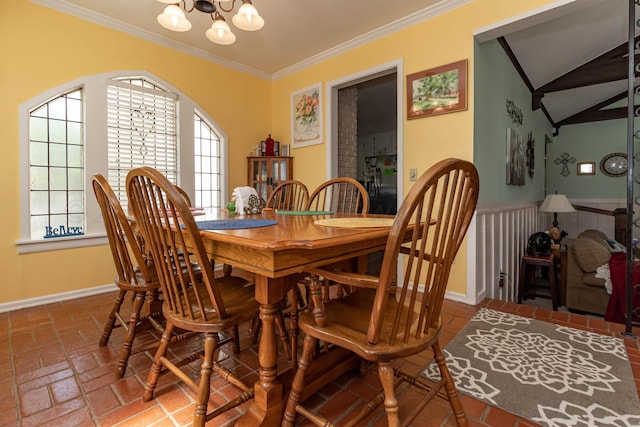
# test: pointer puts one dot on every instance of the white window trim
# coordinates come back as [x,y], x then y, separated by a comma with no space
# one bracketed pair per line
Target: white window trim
[95,137]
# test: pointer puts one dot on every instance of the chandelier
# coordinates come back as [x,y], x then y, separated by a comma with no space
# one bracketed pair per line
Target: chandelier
[247,18]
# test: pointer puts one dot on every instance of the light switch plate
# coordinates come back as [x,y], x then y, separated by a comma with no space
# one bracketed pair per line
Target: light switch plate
[413,174]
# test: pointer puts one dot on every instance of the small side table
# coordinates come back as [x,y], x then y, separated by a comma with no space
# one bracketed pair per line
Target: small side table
[527,276]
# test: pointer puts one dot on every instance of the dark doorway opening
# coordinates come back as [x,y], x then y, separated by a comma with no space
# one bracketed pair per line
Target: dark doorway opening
[374,160]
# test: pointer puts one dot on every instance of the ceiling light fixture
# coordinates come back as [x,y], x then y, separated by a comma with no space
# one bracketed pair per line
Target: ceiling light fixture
[247,18]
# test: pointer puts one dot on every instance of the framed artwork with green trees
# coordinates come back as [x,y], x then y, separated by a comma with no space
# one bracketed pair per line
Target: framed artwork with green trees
[438,90]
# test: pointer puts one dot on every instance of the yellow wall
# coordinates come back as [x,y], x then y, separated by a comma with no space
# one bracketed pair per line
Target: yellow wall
[441,40]
[43,48]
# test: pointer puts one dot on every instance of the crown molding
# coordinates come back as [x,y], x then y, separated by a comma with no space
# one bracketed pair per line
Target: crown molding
[390,28]
[105,21]
[400,24]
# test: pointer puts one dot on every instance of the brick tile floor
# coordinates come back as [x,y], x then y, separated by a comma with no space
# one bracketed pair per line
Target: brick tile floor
[54,373]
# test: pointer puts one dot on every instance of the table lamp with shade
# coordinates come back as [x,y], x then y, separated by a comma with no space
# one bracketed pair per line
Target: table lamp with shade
[556,203]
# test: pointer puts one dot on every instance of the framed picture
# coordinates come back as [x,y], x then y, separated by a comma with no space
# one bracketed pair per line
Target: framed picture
[306,116]
[515,158]
[586,168]
[276,148]
[285,150]
[437,91]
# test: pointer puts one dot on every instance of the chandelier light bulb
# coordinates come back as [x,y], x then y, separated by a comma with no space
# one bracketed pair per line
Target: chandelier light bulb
[220,32]
[173,19]
[247,17]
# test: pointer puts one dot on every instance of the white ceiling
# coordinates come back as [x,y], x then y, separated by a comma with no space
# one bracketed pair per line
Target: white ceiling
[567,38]
[297,32]
[294,30]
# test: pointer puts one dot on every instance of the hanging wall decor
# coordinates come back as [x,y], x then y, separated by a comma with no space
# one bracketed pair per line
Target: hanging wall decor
[531,143]
[306,116]
[438,90]
[564,160]
[515,158]
[514,112]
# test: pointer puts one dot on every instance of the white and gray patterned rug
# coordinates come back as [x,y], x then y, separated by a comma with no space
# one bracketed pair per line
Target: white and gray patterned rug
[552,375]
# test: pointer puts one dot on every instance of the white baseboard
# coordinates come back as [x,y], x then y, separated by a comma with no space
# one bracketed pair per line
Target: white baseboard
[48,299]
[458,297]
[64,296]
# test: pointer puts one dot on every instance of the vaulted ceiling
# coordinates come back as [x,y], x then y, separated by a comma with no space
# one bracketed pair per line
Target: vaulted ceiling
[574,60]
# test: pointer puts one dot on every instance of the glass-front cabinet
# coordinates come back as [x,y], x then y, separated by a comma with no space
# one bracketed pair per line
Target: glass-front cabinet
[266,173]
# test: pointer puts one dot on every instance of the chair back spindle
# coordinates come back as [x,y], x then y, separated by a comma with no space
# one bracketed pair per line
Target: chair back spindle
[340,195]
[289,195]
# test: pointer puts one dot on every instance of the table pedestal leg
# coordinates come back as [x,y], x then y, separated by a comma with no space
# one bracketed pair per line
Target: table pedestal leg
[266,408]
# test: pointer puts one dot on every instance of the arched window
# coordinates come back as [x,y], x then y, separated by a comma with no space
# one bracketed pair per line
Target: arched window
[109,124]
[56,167]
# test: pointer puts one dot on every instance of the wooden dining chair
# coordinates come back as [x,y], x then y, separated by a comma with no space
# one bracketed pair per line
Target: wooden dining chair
[192,302]
[386,319]
[289,195]
[184,195]
[135,273]
[340,195]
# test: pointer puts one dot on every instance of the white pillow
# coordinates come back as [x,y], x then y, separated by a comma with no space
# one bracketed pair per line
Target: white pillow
[615,246]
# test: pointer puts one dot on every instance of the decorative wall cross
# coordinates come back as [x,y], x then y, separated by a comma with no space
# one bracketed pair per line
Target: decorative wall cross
[564,159]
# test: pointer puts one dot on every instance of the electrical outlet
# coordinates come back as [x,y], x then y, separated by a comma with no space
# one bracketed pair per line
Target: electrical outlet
[413,174]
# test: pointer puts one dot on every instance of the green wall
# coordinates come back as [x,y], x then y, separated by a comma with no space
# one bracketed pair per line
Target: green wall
[588,142]
[497,81]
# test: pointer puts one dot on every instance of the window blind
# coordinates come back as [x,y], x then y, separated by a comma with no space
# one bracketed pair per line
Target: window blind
[141,131]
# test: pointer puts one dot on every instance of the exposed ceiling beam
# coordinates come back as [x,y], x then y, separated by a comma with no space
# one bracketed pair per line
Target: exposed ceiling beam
[598,112]
[523,76]
[608,67]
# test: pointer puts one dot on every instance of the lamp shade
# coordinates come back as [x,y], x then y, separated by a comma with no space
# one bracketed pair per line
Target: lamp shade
[556,203]
[220,32]
[173,19]
[247,17]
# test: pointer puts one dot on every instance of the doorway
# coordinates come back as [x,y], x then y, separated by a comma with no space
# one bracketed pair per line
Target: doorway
[376,153]
[364,137]
[351,150]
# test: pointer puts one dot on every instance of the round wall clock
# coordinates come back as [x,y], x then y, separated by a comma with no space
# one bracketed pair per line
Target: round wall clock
[614,164]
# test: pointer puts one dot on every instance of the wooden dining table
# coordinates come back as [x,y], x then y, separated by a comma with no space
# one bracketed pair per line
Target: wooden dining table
[276,254]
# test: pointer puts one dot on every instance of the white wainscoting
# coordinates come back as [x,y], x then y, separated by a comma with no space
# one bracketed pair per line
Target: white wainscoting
[502,231]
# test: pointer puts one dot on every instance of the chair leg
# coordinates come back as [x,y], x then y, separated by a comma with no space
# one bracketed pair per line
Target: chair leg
[125,351]
[450,386]
[254,330]
[284,336]
[156,367]
[294,294]
[385,371]
[298,381]
[204,388]
[235,339]
[108,327]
